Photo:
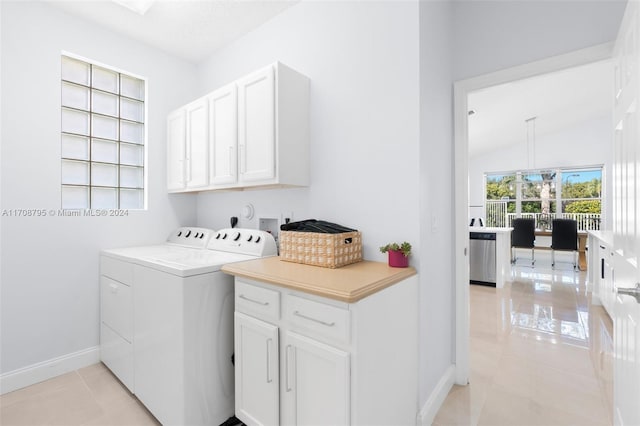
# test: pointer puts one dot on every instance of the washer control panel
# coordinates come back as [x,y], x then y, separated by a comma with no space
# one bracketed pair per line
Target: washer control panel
[244,241]
[191,237]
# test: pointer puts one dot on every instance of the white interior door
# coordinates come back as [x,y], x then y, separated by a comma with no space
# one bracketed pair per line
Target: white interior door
[626,212]
[626,368]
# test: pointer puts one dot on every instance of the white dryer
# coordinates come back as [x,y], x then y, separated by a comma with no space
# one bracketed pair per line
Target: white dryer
[167,321]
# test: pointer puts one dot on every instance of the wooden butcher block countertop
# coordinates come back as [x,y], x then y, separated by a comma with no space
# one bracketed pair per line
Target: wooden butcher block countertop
[347,284]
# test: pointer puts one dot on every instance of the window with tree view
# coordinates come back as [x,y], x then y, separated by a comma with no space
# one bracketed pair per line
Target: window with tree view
[545,195]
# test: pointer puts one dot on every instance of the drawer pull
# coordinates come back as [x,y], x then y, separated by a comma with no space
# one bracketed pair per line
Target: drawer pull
[248,299]
[328,324]
[113,287]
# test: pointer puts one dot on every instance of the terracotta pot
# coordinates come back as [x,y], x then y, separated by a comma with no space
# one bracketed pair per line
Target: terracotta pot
[397,259]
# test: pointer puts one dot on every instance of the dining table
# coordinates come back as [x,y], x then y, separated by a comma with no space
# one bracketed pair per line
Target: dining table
[582,246]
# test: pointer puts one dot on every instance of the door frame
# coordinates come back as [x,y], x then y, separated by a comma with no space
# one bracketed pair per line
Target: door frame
[462,89]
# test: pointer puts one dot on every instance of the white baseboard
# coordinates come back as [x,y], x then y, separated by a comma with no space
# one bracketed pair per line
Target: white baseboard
[430,408]
[45,370]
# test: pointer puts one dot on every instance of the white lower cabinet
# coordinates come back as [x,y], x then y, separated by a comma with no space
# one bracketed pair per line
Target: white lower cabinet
[318,361]
[316,382]
[256,360]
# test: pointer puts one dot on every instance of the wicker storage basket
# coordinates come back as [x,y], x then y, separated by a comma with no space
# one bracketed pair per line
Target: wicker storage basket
[326,250]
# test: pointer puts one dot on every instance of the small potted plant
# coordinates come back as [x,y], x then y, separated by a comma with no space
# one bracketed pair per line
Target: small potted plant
[398,254]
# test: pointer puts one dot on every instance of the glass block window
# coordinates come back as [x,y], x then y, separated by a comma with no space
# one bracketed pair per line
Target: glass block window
[103,137]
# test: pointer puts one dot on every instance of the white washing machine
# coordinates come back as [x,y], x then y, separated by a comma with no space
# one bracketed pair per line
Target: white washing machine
[167,321]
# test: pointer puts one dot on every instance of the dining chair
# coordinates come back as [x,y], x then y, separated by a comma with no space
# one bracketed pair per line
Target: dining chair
[523,236]
[564,237]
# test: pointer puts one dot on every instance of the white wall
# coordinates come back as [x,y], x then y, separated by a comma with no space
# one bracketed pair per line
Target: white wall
[365,119]
[436,195]
[362,60]
[584,144]
[370,167]
[494,35]
[49,291]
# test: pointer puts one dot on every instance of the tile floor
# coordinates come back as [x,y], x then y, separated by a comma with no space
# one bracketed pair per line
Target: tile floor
[89,396]
[541,354]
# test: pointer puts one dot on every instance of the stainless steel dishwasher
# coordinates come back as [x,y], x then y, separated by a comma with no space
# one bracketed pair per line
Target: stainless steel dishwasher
[482,258]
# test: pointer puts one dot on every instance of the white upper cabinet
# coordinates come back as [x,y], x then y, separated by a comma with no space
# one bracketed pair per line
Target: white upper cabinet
[197,149]
[223,136]
[188,147]
[258,134]
[256,126]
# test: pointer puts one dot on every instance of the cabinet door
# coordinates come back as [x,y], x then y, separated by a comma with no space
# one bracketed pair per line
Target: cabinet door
[256,126]
[223,135]
[176,145]
[197,150]
[316,383]
[256,371]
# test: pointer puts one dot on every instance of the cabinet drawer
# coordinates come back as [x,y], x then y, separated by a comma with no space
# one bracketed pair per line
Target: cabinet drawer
[117,354]
[116,305]
[258,301]
[116,269]
[317,318]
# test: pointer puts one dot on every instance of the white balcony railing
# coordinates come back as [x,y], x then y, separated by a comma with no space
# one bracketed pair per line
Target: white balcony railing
[496,215]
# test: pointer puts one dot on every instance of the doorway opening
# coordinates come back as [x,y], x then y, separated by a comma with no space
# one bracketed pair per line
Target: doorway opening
[467,198]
